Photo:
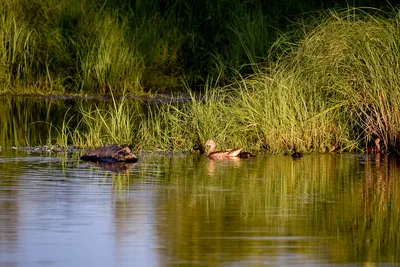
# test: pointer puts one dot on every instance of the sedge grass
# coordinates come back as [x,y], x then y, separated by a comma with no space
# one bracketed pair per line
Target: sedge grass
[352,59]
[83,46]
[334,89]
[115,123]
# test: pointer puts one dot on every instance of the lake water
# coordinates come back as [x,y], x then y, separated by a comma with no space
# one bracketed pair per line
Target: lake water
[186,210]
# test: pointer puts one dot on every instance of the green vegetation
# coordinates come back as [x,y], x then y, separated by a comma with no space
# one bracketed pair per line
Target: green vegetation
[88,47]
[335,88]
[350,208]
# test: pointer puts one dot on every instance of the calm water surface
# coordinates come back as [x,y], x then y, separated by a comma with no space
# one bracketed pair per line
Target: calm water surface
[185,210]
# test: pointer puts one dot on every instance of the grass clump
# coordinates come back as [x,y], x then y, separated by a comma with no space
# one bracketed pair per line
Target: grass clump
[350,60]
[115,122]
[108,58]
[182,126]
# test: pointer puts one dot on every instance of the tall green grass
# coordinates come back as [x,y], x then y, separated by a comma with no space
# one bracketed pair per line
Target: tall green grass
[336,89]
[350,60]
[86,46]
[115,122]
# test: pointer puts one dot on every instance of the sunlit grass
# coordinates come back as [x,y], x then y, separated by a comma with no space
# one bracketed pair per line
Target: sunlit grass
[352,60]
[89,47]
[83,47]
[116,122]
[335,89]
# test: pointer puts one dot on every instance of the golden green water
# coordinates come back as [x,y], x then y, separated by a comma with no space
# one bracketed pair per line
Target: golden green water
[30,121]
[181,210]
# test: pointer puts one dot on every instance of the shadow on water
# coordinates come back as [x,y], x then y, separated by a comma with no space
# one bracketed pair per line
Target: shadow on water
[187,210]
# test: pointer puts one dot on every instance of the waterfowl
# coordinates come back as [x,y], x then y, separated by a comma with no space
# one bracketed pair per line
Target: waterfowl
[297,155]
[198,149]
[244,155]
[228,153]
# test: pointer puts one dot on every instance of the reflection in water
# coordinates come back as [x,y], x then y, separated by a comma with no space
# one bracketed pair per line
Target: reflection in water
[380,202]
[117,167]
[187,210]
[30,121]
[213,163]
[21,127]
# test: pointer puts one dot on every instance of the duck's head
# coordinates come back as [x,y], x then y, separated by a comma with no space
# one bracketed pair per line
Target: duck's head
[210,144]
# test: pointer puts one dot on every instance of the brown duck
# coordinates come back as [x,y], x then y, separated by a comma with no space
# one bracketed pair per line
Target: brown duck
[225,154]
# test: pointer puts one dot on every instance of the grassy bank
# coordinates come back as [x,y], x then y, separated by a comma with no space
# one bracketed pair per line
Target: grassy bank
[335,89]
[88,47]
[82,47]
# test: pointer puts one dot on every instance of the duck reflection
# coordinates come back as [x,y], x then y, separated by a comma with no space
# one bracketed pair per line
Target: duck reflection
[212,164]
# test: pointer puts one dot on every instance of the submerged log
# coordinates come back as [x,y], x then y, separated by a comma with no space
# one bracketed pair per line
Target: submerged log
[112,153]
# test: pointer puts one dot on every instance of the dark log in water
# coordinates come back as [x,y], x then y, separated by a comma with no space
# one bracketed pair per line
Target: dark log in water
[112,153]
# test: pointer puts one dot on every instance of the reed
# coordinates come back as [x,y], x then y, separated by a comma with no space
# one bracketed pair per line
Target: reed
[108,58]
[82,47]
[183,126]
[333,89]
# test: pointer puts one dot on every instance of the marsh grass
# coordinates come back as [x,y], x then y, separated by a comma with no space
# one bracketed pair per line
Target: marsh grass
[115,122]
[351,59]
[83,46]
[181,126]
[335,89]
[110,59]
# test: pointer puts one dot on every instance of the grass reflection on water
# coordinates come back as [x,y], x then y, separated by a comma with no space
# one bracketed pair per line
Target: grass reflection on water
[321,209]
[333,208]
